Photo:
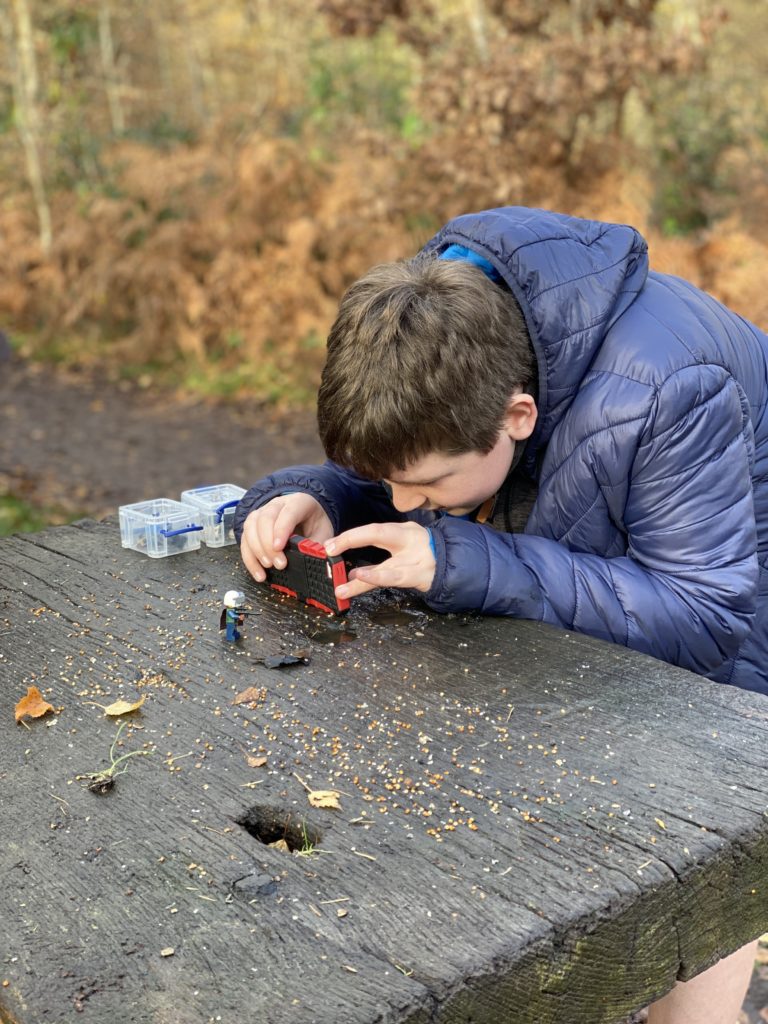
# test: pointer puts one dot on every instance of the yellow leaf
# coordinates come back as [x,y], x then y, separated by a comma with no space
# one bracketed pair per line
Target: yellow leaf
[33,705]
[324,798]
[660,823]
[122,707]
[280,844]
[119,707]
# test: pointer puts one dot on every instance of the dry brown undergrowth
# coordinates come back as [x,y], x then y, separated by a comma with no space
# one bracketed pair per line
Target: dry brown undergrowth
[240,253]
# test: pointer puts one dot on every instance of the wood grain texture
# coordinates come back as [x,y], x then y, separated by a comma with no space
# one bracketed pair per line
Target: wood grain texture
[534,826]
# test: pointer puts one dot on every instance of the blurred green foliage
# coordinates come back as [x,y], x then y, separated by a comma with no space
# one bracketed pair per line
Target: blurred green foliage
[71,30]
[162,132]
[693,136]
[358,80]
[18,516]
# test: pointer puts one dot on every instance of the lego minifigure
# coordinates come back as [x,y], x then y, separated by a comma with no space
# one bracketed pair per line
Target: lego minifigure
[232,614]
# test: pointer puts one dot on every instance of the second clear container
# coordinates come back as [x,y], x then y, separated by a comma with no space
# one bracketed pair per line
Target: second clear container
[217,509]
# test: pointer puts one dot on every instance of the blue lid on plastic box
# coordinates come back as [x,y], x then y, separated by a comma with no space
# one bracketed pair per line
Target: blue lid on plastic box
[217,504]
[160,527]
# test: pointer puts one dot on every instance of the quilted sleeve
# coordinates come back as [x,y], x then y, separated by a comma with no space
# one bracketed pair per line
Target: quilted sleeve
[349,500]
[685,591]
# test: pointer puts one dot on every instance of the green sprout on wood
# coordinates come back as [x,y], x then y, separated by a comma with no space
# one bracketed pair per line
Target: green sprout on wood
[307,846]
[104,780]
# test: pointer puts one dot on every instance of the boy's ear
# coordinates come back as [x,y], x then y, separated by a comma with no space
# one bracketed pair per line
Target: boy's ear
[520,417]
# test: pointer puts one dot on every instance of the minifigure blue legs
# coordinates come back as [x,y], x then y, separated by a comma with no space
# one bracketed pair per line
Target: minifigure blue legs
[232,616]
[233,620]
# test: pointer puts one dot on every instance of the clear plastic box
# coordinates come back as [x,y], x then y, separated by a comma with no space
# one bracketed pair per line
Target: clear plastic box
[160,527]
[216,504]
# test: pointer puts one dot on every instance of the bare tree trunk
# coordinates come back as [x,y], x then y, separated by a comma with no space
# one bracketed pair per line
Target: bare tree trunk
[577,20]
[201,40]
[21,49]
[477,26]
[204,93]
[109,67]
[164,62]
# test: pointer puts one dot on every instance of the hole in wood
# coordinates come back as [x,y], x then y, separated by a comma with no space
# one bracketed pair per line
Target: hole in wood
[271,824]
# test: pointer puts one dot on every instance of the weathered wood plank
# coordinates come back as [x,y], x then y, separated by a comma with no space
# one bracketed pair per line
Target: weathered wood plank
[534,826]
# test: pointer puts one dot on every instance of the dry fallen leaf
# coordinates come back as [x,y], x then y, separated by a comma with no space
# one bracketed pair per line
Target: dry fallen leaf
[660,823]
[321,797]
[250,696]
[256,762]
[119,707]
[122,707]
[32,705]
[324,798]
[280,844]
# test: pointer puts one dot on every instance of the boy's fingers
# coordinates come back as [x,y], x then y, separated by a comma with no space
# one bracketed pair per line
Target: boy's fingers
[264,547]
[354,588]
[378,535]
[252,563]
[358,582]
[253,533]
[284,525]
[388,574]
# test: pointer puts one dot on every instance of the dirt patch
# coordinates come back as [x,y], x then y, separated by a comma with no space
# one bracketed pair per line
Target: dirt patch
[85,445]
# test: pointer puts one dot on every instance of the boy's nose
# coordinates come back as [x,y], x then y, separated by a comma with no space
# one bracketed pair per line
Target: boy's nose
[406,500]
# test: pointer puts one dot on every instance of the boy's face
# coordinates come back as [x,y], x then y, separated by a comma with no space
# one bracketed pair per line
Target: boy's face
[459,483]
[452,483]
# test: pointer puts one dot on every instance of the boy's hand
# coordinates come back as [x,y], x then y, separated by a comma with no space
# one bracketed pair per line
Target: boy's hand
[412,563]
[266,530]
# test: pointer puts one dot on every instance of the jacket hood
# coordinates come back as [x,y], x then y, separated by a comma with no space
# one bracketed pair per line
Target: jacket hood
[573,279]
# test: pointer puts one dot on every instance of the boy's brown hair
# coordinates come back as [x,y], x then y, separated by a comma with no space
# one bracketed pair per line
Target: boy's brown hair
[423,357]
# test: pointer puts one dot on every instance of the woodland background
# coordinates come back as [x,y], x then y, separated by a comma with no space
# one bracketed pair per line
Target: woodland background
[188,186]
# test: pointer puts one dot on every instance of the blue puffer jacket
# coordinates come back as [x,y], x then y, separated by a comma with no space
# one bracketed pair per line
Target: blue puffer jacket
[650,528]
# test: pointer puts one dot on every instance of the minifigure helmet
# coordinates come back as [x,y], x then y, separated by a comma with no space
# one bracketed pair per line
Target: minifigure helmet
[233,598]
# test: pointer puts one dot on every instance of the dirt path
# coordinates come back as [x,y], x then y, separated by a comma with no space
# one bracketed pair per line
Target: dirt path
[85,446]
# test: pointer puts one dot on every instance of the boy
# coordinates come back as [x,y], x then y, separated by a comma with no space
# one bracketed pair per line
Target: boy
[532,424]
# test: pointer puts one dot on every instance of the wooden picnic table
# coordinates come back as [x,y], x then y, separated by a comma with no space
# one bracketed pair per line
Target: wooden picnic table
[532,827]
